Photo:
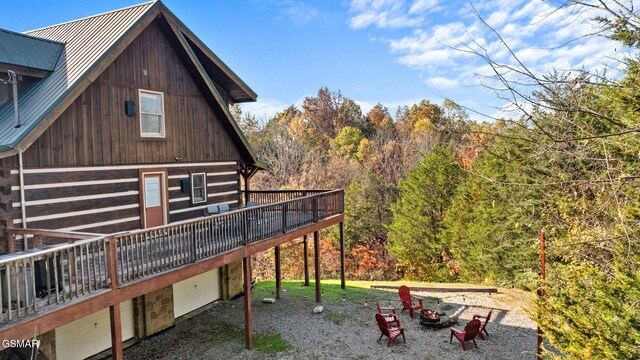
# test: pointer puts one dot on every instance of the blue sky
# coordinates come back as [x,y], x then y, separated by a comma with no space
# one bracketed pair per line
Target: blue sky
[395,52]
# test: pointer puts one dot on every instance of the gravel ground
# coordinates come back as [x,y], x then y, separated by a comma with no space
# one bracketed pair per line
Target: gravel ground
[346,330]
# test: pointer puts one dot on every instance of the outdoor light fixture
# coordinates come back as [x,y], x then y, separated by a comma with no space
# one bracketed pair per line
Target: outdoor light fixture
[130,107]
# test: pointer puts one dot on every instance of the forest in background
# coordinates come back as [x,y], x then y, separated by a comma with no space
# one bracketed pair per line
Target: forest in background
[432,195]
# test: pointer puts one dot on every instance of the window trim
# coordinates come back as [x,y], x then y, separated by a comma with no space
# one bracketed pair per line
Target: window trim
[162,115]
[204,188]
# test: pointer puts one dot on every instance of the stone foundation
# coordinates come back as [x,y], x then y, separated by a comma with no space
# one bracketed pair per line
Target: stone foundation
[153,312]
[231,280]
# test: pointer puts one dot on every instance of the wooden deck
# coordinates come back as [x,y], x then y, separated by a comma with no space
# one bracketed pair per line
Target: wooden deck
[94,273]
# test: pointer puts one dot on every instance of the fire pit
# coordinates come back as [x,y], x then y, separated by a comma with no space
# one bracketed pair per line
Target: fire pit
[430,316]
[435,320]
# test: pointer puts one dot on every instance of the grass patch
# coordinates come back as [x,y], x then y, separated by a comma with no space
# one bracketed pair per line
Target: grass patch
[226,333]
[355,292]
[335,318]
[268,344]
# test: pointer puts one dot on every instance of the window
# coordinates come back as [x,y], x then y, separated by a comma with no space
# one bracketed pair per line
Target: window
[151,114]
[198,188]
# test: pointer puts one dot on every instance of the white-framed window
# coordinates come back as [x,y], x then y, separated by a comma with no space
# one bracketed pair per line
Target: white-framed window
[198,188]
[151,113]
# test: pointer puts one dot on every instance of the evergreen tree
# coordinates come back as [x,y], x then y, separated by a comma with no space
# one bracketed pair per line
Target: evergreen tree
[415,231]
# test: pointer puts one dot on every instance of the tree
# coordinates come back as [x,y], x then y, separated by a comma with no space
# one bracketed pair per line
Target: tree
[328,112]
[494,217]
[580,131]
[347,142]
[379,117]
[416,228]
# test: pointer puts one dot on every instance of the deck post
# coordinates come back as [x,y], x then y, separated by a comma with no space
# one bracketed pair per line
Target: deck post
[316,250]
[247,197]
[248,336]
[115,318]
[305,242]
[342,281]
[116,331]
[278,284]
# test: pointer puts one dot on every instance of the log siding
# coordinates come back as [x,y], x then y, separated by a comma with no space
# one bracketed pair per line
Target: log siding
[107,199]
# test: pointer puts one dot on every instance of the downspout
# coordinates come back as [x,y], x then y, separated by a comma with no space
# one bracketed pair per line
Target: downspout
[23,207]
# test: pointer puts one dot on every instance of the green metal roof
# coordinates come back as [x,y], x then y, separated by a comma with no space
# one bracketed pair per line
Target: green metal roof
[29,51]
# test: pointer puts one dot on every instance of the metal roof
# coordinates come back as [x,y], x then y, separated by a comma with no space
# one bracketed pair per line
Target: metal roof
[28,51]
[86,42]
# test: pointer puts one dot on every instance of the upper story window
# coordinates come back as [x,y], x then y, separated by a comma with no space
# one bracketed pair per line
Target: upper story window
[151,114]
[198,188]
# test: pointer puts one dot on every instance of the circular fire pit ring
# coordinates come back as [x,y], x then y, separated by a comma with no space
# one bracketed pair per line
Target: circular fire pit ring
[430,316]
[435,320]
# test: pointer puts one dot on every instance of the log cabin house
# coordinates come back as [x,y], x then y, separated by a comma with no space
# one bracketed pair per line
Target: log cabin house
[124,184]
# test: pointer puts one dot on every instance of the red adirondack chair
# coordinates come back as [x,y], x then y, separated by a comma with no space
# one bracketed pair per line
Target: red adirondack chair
[468,334]
[389,313]
[483,326]
[392,332]
[407,300]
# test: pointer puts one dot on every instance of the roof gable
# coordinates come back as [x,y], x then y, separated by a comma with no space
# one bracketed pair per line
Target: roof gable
[87,41]
[91,44]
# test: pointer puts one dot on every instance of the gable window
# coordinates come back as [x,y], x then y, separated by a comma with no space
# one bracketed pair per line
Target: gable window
[198,188]
[151,114]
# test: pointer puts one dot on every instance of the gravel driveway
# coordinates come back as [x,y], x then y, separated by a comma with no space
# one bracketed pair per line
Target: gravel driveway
[345,330]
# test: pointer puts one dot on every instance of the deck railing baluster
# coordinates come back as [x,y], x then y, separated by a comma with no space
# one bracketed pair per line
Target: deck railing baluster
[9,297]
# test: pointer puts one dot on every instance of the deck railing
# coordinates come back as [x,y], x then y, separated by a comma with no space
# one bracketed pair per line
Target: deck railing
[145,252]
[38,278]
[262,197]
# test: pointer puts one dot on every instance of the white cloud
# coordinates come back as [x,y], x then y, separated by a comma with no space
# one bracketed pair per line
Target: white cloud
[384,14]
[442,47]
[422,5]
[295,11]
[301,13]
[365,106]
[442,82]
[497,18]
[264,109]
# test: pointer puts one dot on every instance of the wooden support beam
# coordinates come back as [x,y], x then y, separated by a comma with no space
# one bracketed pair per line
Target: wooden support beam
[278,275]
[342,279]
[116,332]
[247,196]
[316,250]
[306,260]
[248,336]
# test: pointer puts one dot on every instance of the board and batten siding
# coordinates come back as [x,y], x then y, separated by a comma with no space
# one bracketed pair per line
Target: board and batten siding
[106,199]
[95,130]
[196,292]
[91,334]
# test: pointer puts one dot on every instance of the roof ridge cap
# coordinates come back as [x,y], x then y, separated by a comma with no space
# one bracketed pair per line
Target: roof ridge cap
[90,17]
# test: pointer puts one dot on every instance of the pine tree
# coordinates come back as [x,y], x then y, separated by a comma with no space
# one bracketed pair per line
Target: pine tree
[415,231]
